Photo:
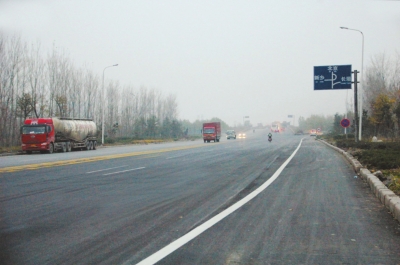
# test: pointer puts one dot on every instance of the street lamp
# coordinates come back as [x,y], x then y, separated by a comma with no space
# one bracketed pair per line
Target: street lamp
[362,80]
[102,112]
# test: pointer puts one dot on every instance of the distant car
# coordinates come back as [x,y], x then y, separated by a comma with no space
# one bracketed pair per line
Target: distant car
[299,132]
[230,134]
[241,135]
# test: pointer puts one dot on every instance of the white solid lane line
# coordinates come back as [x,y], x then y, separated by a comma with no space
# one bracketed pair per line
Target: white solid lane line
[123,171]
[104,169]
[162,253]
[171,157]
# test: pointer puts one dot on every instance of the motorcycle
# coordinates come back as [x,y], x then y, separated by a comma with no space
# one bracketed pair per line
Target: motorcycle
[269,138]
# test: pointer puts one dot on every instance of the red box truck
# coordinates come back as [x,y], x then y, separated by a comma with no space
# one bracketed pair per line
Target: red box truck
[211,131]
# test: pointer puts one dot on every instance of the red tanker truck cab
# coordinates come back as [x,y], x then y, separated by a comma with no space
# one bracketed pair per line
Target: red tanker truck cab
[211,131]
[37,135]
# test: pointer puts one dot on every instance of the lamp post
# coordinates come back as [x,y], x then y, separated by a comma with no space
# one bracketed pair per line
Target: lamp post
[102,112]
[362,80]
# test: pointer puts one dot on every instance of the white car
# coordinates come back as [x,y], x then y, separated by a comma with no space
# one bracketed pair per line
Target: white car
[230,134]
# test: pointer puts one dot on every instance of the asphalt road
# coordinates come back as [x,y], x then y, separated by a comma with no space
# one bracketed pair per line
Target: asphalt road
[122,205]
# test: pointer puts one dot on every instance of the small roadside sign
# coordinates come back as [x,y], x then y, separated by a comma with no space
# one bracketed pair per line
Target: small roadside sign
[345,123]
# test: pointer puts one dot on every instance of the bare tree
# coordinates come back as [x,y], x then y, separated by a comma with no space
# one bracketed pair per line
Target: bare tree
[112,103]
[59,74]
[35,85]
[382,95]
[24,105]
[171,107]
[13,81]
[36,80]
[376,79]
[91,86]
[75,96]
[128,111]
[4,79]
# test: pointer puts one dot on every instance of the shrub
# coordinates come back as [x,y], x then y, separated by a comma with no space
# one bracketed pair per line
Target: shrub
[378,158]
[350,136]
[109,141]
[395,185]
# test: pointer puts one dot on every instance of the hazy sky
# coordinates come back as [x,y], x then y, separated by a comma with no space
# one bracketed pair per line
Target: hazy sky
[226,59]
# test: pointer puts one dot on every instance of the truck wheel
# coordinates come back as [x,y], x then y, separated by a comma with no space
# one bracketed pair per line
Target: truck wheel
[69,148]
[204,141]
[94,145]
[51,148]
[63,147]
[90,145]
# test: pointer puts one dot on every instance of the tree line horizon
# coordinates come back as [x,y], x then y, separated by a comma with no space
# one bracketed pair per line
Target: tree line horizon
[33,85]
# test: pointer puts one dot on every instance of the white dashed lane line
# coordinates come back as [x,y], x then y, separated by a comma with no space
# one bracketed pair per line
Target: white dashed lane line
[117,172]
[90,172]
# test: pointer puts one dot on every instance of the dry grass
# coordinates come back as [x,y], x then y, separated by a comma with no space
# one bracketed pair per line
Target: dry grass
[12,149]
[150,141]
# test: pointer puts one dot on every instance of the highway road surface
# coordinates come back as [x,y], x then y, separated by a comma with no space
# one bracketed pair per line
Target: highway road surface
[243,201]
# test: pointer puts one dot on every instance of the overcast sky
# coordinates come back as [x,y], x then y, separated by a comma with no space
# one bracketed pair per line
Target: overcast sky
[226,59]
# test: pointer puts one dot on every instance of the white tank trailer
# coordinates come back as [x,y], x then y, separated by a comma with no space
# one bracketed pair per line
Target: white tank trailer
[80,133]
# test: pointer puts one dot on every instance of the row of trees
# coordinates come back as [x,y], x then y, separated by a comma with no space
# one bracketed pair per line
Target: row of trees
[195,128]
[381,113]
[381,99]
[34,85]
[37,85]
[314,122]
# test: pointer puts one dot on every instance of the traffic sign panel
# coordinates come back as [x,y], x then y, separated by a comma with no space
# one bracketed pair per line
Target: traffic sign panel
[345,123]
[332,77]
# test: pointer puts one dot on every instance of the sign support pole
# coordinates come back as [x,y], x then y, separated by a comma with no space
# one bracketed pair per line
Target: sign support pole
[345,128]
[355,106]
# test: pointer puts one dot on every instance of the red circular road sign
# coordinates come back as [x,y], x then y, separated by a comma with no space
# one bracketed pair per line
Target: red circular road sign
[345,123]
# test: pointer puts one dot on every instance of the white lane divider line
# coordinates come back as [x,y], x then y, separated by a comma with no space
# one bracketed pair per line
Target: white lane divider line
[117,172]
[171,157]
[162,253]
[90,172]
